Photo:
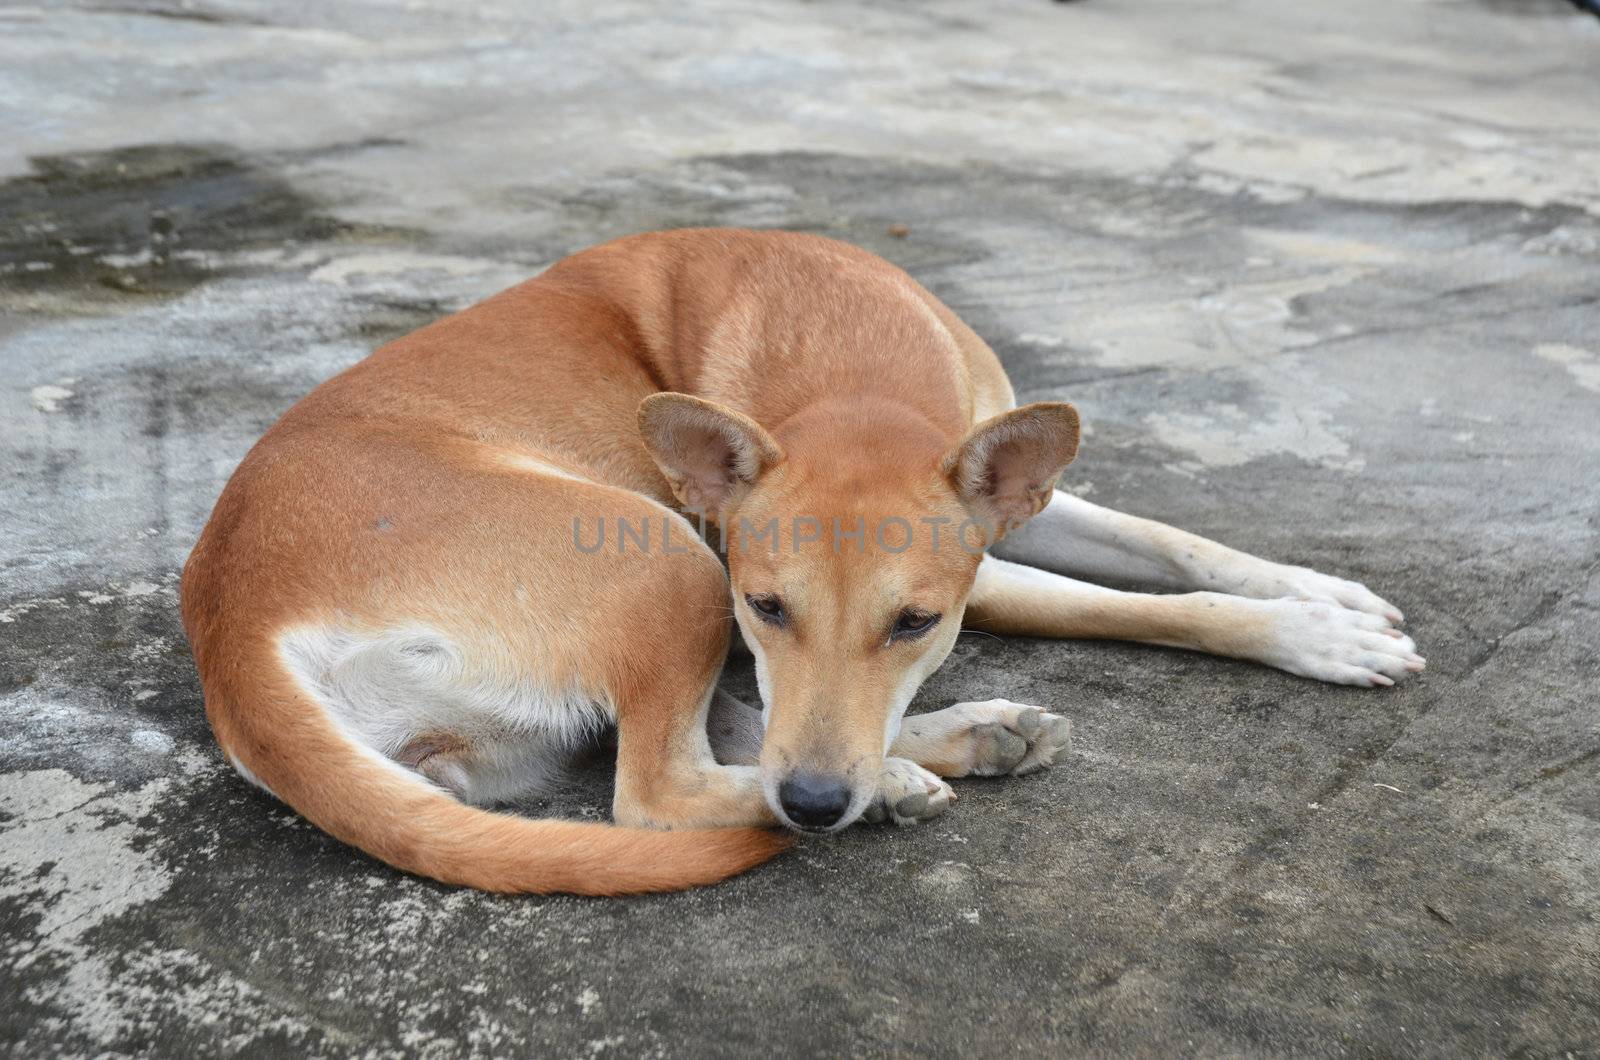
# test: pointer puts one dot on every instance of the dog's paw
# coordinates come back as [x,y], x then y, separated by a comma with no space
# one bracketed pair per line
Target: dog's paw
[907,794]
[1004,738]
[1278,580]
[1338,644]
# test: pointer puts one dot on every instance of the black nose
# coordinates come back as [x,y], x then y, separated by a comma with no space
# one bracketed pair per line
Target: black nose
[813,801]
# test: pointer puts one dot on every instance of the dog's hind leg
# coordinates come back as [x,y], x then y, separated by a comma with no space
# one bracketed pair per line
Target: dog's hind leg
[1309,638]
[1083,540]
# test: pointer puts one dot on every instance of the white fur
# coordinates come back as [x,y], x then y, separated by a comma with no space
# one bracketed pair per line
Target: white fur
[1332,643]
[244,771]
[384,688]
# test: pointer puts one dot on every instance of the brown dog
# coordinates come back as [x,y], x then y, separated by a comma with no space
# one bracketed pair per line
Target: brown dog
[464,555]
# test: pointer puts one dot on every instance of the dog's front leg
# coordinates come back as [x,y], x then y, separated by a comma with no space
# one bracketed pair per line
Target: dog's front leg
[668,776]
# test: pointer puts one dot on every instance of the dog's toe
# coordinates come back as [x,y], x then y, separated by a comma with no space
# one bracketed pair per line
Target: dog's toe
[1053,741]
[998,750]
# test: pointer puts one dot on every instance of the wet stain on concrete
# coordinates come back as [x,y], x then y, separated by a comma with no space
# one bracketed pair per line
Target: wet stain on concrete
[153,219]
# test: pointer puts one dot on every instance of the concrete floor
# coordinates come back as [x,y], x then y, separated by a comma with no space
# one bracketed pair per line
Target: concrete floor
[1324,280]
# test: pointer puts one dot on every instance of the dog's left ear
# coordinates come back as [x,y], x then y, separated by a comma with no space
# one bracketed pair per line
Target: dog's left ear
[711,455]
[1006,467]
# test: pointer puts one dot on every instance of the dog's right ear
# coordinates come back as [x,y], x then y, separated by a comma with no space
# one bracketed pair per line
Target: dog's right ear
[1007,466]
[711,455]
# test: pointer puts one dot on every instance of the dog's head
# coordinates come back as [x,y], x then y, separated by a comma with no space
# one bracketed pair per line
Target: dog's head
[851,561]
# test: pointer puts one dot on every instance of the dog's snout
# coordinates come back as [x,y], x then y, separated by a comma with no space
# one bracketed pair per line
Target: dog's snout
[814,801]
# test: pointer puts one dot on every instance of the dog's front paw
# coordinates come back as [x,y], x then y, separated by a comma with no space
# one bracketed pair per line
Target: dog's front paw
[1002,737]
[907,794]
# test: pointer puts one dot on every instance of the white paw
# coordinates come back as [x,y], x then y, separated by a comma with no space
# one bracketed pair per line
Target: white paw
[1303,583]
[1013,738]
[907,794]
[1338,644]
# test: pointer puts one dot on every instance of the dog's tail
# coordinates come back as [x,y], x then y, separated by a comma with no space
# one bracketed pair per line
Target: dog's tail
[281,737]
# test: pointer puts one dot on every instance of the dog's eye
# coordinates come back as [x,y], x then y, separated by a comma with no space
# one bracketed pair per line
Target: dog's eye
[913,624]
[768,607]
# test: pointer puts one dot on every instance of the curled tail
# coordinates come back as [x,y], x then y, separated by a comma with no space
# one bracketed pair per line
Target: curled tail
[274,730]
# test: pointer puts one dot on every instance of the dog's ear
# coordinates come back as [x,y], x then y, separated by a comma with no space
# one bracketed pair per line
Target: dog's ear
[711,455]
[1006,467]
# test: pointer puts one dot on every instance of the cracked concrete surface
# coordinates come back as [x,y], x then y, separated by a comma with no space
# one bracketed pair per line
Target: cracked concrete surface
[1323,279]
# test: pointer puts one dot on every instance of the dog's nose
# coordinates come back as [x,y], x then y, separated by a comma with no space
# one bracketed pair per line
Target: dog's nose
[813,801]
